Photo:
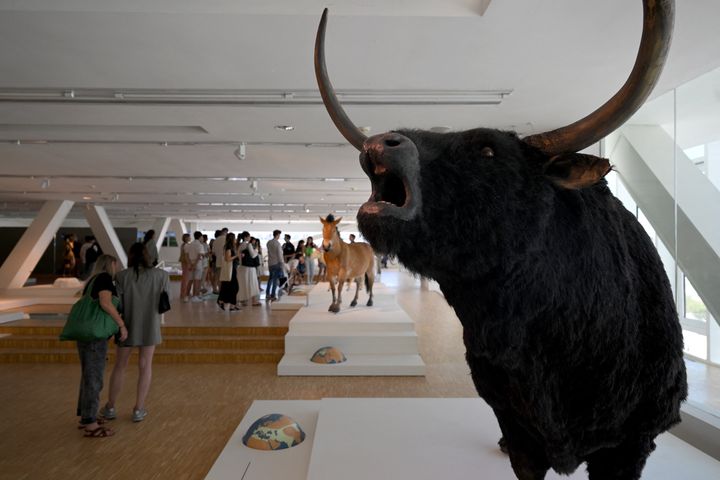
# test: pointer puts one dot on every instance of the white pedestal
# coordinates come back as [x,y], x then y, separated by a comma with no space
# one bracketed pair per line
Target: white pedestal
[377,340]
[237,461]
[413,439]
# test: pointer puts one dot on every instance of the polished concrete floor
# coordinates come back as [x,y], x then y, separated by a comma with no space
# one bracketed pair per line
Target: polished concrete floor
[193,409]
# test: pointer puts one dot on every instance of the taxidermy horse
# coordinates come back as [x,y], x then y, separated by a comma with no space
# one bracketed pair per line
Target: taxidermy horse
[346,261]
[569,323]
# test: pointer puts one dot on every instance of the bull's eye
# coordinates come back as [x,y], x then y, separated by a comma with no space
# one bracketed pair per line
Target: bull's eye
[487,152]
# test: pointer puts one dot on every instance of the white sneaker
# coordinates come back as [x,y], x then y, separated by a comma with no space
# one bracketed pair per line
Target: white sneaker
[185,299]
[196,299]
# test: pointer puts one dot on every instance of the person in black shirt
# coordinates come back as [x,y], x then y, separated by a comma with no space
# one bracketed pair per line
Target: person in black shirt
[93,354]
[288,249]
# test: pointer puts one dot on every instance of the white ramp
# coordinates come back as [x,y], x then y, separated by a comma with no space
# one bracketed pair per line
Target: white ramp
[410,439]
[377,340]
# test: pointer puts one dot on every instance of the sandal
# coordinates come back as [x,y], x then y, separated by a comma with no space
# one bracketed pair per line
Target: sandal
[99,421]
[221,305]
[100,432]
[235,309]
[258,304]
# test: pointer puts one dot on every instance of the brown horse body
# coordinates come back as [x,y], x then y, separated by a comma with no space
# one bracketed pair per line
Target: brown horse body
[346,261]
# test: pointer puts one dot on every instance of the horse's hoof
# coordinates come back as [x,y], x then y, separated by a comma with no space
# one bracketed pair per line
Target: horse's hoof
[335,308]
[370,303]
[353,303]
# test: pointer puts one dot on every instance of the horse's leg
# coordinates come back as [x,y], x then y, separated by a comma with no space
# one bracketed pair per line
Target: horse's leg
[357,291]
[341,281]
[334,307]
[370,279]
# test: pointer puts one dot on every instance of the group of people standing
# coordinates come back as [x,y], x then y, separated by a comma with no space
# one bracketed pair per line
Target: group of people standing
[139,288]
[305,262]
[237,266]
[79,259]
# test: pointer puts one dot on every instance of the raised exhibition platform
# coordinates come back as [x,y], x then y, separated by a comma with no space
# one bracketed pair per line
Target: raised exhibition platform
[378,340]
[409,438]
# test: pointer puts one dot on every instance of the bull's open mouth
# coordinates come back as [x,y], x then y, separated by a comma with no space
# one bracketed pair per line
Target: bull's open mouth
[394,187]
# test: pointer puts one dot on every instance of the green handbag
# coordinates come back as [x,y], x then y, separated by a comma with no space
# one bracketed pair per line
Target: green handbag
[87,321]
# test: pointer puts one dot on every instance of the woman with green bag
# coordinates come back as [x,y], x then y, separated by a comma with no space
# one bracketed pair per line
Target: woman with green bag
[93,353]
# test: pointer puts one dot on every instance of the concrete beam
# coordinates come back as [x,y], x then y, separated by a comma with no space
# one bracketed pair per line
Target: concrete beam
[25,256]
[179,227]
[161,226]
[643,156]
[105,233]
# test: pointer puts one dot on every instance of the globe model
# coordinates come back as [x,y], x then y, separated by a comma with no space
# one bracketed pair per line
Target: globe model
[328,355]
[273,432]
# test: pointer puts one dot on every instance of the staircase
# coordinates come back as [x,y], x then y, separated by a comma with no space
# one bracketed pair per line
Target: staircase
[39,344]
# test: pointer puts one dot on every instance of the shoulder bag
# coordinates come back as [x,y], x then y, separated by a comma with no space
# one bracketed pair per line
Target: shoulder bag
[87,321]
[248,261]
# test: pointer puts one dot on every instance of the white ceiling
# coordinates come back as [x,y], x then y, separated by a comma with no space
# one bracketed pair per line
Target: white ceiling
[560,58]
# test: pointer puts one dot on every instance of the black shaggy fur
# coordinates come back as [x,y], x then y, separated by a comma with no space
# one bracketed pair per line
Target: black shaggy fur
[569,321]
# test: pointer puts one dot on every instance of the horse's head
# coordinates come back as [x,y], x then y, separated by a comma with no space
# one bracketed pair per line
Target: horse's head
[329,231]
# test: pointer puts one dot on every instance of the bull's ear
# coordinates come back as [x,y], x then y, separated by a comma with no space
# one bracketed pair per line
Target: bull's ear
[322,220]
[337,221]
[576,170]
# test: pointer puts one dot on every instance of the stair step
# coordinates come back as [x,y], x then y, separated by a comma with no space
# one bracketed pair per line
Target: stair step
[63,355]
[55,330]
[169,342]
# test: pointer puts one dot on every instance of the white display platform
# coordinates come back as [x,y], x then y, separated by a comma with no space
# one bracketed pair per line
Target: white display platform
[13,316]
[377,340]
[237,461]
[413,439]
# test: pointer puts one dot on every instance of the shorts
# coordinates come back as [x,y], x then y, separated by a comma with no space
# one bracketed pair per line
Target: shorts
[197,273]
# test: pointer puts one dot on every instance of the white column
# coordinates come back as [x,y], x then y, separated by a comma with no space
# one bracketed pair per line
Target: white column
[177,226]
[161,227]
[24,257]
[105,233]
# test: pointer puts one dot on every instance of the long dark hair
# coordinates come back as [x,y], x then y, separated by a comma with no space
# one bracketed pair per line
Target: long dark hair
[230,241]
[149,235]
[138,257]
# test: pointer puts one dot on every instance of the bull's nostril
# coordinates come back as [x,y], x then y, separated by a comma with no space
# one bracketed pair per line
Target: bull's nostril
[391,143]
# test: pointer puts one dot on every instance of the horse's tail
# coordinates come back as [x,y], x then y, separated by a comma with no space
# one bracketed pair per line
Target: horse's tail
[367,283]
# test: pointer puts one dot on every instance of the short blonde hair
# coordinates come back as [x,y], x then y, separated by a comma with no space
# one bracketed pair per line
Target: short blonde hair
[103,264]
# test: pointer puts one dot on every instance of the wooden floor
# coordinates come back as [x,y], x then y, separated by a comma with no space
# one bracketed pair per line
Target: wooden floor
[193,409]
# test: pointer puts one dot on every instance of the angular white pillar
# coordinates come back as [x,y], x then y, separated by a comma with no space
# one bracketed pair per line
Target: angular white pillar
[105,233]
[24,257]
[177,226]
[161,226]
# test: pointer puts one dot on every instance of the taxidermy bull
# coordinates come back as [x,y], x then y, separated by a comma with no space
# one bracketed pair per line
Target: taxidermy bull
[569,322]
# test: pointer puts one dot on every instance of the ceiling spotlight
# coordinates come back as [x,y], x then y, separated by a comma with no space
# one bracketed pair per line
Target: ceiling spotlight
[254,185]
[45,183]
[240,151]
[284,128]
[86,197]
[116,197]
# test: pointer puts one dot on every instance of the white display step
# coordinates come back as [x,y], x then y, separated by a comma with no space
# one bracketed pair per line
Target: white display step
[380,340]
[409,439]
[13,316]
[356,365]
[353,342]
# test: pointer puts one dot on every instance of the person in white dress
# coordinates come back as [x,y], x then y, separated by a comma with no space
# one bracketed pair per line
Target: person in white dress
[249,290]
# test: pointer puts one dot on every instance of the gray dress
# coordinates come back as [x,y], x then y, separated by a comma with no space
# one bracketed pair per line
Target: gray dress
[140,299]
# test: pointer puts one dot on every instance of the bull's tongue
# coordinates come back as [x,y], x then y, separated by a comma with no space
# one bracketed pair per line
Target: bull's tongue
[379,169]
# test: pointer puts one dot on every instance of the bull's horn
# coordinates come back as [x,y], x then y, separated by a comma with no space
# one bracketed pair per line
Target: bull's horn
[658,17]
[338,115]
